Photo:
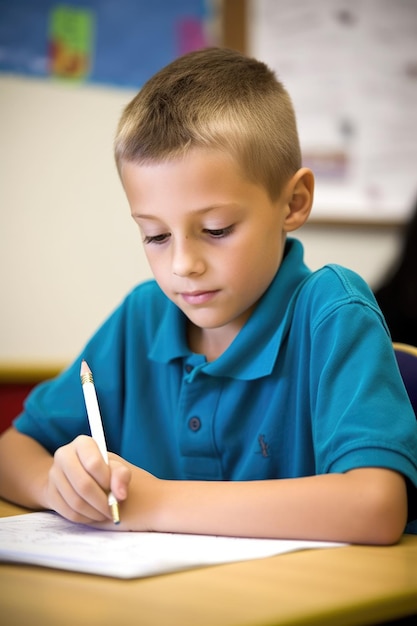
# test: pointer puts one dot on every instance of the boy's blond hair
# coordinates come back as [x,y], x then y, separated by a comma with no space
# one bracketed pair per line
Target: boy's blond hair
[218,99]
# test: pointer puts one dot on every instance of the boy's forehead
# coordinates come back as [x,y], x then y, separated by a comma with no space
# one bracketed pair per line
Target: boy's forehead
[196,163]
[200,182]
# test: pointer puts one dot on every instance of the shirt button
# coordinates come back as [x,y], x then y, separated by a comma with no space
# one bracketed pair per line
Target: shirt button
[194,423]
[188,368]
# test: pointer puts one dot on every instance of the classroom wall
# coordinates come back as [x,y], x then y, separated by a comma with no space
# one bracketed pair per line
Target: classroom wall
[68,248]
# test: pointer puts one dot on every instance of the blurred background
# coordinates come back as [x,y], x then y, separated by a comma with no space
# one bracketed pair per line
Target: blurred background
[68,249]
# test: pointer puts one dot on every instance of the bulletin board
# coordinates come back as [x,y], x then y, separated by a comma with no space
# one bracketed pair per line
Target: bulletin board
[350,67]
[113,42]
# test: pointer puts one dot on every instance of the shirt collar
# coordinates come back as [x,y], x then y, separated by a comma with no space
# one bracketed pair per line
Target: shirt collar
[253,352]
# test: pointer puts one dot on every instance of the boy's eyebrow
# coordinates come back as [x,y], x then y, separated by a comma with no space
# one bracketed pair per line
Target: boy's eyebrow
[203,210]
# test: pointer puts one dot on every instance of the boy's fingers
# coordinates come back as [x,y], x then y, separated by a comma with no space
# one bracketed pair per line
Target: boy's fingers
[70,504]
[92,461]
[81,478]
[120,479]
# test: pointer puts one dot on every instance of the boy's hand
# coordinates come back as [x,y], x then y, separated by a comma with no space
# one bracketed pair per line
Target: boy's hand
[79,481]
[141,508]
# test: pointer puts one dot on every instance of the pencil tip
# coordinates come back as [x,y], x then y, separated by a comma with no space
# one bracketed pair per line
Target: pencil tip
[84,367]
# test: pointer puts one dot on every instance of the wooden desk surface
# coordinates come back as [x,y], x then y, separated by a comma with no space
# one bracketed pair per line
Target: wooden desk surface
[343,586]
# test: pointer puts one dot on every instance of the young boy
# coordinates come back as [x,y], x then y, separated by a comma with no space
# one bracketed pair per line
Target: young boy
[240,393]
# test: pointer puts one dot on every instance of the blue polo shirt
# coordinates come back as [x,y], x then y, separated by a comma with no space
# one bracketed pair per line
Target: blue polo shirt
[309,386]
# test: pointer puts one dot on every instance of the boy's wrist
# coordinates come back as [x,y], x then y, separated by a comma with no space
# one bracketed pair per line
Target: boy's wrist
[40,488]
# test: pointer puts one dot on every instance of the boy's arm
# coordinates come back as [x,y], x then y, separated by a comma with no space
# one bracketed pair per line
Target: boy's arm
[24,466]
[367,505]
[74,482]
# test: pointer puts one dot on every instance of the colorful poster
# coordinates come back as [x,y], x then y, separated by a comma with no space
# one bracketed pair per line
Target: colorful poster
[115,42]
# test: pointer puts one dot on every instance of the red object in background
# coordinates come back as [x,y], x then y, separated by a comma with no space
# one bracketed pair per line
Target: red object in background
[12,396]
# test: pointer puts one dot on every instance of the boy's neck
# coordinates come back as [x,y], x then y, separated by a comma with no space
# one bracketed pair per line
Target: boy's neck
[210,342]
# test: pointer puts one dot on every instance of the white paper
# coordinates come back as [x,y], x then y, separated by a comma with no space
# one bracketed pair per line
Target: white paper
[49,540]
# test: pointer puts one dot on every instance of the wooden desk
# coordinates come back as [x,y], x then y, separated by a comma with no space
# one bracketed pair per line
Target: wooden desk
[343,586]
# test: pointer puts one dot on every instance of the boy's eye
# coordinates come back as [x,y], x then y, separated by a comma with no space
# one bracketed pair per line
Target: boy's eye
[158,239]
[218,233]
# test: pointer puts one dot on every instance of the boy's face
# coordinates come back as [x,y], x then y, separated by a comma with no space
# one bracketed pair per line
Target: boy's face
[213,239]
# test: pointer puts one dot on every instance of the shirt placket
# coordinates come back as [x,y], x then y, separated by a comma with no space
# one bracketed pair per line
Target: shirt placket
[198,405]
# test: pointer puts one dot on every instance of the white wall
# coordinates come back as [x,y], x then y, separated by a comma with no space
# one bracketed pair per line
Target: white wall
[68,248]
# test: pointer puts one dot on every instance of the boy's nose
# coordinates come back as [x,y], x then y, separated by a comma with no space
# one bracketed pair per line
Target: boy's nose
[187,259]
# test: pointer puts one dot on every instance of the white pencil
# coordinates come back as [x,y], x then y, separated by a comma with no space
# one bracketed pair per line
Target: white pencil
[96,426]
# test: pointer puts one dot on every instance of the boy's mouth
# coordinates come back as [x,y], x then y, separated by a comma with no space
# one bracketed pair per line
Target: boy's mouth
[198,297]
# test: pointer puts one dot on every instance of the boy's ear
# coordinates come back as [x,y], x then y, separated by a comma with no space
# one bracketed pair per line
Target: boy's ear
[300,194]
